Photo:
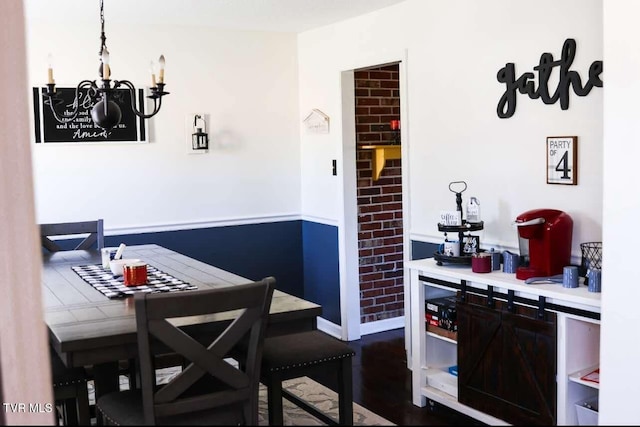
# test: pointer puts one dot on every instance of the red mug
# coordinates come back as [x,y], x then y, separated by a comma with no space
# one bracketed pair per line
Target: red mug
[135,274]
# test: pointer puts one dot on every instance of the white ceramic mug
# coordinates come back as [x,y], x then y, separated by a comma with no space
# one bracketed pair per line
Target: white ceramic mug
[450,248]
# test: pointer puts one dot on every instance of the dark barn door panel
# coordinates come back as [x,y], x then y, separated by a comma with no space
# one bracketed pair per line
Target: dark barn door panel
[507,361]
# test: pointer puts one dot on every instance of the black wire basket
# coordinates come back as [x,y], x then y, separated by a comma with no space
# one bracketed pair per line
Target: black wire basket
[591,257]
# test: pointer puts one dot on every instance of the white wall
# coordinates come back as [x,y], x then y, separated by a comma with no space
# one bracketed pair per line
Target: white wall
[245,81]
[620,351]
[454,51]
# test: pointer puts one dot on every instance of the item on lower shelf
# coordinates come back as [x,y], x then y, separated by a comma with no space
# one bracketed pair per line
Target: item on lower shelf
[444,311]
[452,335]
[587,411]
[432,320]
[593,376]
[453,370]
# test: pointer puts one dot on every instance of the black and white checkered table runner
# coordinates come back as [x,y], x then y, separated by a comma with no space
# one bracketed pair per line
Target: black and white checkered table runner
[113,287]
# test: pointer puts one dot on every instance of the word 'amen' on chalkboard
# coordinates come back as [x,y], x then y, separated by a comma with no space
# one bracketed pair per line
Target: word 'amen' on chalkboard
[82,129]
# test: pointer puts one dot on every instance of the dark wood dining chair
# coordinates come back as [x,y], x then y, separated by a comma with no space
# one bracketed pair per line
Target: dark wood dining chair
[94,239]
[70,392]
[210,389]
[70,384]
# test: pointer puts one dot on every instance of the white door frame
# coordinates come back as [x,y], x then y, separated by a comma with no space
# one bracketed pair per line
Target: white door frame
[348,219]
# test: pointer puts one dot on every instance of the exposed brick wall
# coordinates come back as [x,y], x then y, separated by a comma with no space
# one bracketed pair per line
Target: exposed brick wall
[377,103]
[377,97]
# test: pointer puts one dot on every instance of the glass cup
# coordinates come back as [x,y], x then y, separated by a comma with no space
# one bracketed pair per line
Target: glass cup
[107,255]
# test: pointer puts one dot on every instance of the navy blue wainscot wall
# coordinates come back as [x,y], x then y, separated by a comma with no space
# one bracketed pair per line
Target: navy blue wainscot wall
[253,251]
[301,255]
[420,250]
[321,268]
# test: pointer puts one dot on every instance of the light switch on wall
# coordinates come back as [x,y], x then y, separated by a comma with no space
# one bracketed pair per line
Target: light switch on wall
[202,123]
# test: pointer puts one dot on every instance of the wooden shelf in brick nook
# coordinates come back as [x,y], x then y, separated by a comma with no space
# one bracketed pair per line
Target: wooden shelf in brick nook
[381,153]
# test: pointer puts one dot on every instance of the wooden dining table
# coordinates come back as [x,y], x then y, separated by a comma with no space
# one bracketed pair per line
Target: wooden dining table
[88,329]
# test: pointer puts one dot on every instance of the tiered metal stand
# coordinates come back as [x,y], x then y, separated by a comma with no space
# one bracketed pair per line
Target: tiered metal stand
[463,259]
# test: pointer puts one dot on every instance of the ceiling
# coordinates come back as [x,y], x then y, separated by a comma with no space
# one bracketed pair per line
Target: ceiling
[247,15]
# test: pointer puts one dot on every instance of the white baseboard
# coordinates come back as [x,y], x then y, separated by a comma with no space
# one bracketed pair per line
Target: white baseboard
[365,328]
[382,325]
[330,328]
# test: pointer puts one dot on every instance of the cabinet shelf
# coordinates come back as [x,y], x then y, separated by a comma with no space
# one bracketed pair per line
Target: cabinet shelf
[451,400]
[382,153]
[443,334]
[441,379]
[576,377]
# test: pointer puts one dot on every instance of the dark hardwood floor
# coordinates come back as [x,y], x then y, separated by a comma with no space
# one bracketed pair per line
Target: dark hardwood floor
[382,383]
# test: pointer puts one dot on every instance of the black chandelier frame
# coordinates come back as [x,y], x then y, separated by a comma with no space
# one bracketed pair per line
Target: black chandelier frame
[102,94]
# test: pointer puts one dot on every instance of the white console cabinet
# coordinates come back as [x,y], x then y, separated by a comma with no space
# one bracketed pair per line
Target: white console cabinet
[577,349]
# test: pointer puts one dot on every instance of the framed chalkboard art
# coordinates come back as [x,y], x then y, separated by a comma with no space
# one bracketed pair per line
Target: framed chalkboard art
[82,129]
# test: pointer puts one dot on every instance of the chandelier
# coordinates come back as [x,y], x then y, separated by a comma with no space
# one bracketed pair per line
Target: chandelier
[102,98]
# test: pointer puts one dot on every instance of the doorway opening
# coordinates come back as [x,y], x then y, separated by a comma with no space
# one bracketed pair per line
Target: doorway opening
[379,192]
[372,248]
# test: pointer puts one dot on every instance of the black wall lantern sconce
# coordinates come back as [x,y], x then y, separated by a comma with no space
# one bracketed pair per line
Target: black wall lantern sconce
[199,139]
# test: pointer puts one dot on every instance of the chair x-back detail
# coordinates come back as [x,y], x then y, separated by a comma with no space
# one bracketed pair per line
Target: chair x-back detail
[94,240]
[209,389]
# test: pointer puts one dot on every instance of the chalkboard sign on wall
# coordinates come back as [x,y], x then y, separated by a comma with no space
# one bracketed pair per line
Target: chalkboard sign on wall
[82,129]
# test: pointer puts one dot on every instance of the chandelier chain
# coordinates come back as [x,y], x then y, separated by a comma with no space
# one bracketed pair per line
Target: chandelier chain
[103,37]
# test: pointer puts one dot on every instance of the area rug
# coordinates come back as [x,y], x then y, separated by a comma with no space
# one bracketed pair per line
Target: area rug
[323,398]
[305,388]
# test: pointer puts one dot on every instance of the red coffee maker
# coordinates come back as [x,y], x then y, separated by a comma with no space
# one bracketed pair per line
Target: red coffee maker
[546,234]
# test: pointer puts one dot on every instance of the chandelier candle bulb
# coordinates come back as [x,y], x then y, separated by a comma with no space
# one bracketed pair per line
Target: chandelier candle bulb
[106,71]
[50,69]
[161,73]
[153,75]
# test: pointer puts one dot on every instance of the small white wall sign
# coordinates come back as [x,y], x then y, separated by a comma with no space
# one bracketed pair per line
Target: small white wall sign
[562,160]
[317,122]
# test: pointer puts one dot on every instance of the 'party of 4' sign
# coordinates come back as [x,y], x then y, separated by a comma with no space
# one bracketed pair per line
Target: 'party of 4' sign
[562,160]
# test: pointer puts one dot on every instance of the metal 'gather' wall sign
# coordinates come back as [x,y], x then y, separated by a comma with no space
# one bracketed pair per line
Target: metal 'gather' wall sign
[525,84]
